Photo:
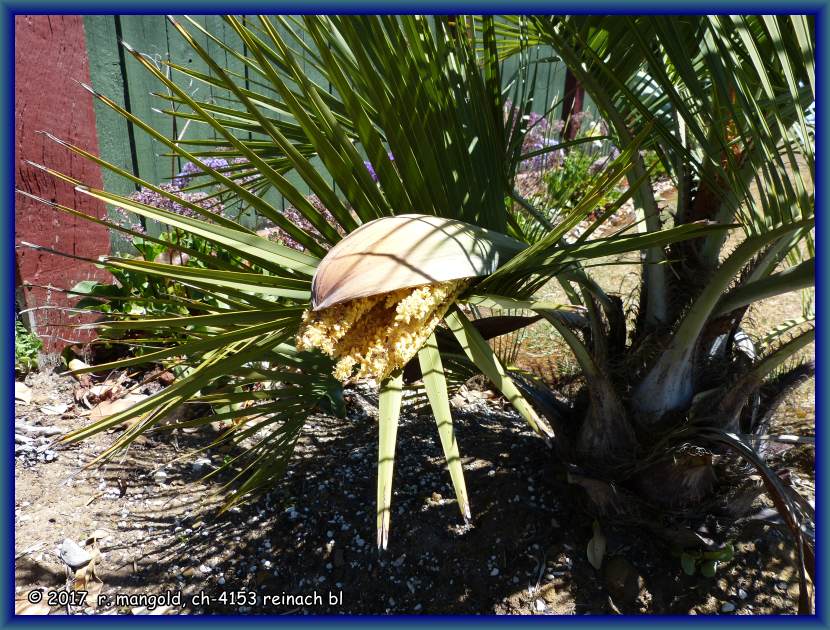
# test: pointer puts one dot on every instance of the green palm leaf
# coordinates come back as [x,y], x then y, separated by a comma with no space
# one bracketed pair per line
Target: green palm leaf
[435,384]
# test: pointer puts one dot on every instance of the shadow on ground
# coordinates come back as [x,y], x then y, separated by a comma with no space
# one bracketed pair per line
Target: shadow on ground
[523,553]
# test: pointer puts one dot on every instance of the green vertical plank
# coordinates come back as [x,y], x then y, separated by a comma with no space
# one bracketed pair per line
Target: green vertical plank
[105,75]
[260,85]
[236,69]
[146,33]
[547,75]
[182,54]
[333,91]
[114,134]
[215,25]
[293,177]
[317,77]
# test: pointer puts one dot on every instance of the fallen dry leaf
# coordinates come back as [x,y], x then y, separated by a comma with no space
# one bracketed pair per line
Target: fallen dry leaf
[23,606]
[22,392]
[57,409]
[86,578]
[84,379]
[98,393]
[111,407]
[101,391]
[98,534]
[167,377]
[91,395]
[77,364]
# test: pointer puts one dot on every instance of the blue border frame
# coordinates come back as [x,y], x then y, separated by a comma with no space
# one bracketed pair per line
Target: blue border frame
[492,7]
[8,11]
[822,227]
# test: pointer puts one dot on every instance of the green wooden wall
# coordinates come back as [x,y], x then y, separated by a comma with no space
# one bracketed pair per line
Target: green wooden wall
[116,74]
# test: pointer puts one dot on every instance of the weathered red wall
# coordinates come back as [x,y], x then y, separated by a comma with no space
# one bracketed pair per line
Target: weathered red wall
[50,56]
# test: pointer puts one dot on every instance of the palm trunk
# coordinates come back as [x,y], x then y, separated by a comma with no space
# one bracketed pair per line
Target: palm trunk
[572,103]
[669,384]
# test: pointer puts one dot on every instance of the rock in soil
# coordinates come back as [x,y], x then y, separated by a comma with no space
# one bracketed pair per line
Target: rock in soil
[73,555]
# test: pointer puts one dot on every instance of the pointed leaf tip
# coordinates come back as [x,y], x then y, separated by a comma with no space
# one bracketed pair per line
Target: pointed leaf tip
[436,387]
[391,392]
[36,165]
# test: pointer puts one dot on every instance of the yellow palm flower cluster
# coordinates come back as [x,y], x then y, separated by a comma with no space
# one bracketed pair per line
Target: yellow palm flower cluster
[377,334]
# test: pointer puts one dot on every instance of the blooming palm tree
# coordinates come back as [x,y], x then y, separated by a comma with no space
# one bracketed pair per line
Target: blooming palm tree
[436,224]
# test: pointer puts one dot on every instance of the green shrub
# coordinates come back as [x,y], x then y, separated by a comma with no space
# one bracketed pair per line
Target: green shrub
[568,185]
[26,348]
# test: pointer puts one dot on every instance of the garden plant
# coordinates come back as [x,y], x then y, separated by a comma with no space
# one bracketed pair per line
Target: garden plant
[416,225]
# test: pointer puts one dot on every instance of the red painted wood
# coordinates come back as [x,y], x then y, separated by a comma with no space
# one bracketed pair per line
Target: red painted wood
[50,56]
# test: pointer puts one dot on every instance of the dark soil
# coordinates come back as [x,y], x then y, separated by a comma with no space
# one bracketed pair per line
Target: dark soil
[525,552]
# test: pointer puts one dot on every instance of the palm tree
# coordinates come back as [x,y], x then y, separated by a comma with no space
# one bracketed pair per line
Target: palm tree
[725,98]
[422,100]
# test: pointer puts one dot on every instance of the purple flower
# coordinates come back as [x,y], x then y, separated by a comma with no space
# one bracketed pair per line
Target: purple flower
[191,170]
[275,233]
[127,220]
[539,133]
[244,176]
[371,169]
[154,199]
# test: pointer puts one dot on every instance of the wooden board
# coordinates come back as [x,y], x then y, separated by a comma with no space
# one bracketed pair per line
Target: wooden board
[50,56]
[127,82]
